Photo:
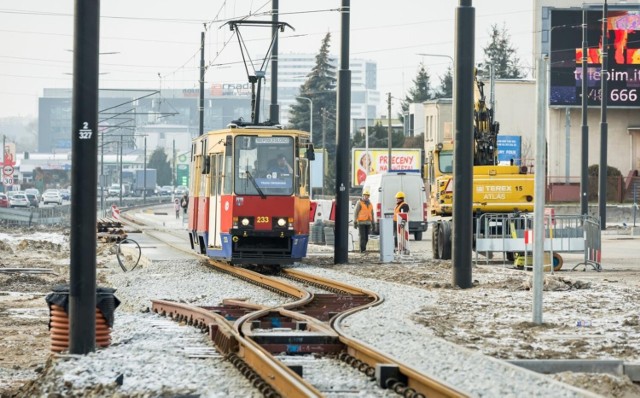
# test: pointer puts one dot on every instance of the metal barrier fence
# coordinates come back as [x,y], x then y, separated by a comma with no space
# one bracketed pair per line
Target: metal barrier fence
[513,234]
[61,215]
[593,244]
[36,216]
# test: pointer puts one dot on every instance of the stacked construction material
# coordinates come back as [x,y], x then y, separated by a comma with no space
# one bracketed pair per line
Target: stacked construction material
[110,230]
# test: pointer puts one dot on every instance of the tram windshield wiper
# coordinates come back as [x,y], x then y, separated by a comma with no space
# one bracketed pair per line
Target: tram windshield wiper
[255,184]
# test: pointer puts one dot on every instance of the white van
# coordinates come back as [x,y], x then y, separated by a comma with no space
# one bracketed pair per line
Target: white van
[383,189]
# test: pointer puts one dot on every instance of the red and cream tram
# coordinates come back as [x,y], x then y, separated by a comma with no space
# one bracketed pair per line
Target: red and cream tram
[249,201]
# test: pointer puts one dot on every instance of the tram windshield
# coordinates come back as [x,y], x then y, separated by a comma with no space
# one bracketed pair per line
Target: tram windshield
[263,165]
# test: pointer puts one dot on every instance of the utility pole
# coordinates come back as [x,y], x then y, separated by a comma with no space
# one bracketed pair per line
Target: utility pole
[121,145]
[604,127]
[201,104]
[366,128]
[584,162]
[324,149]
[102,174]
[4,144]
[274,108]
[389,131]
[144,183]
[173,169]
[343,134]
[463,152]
[84,159]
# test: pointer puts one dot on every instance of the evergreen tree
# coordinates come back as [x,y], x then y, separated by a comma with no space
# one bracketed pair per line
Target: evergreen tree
[159,161]
[500,53]
[416,141]
[379,138]
[421,90]
[446,85]
[320,87]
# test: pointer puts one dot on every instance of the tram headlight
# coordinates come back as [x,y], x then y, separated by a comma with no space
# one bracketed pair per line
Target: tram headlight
[243,222]
[282,222]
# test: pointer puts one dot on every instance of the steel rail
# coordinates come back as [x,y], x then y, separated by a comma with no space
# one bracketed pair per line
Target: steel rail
[273,372]
[429,386]
[407,381]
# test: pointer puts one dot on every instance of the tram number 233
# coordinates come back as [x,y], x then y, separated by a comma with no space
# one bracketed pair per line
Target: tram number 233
[262,220]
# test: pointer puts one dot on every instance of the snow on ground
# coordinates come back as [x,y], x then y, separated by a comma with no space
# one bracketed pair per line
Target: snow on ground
[493,318]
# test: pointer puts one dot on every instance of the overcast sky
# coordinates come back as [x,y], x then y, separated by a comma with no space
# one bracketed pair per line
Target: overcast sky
[155,43]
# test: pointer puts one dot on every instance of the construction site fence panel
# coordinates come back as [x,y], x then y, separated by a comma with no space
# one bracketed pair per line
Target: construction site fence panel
[562,233]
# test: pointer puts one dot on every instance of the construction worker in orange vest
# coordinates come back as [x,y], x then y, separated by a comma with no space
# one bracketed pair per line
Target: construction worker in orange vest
[401,207]
[363,222]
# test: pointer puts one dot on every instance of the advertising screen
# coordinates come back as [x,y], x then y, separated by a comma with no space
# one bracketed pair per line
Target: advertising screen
[623,71]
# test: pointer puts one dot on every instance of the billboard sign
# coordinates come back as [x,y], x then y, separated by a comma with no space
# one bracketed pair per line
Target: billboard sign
[8,163]
[9,155]
[509,147]
[376,161]
[623,71]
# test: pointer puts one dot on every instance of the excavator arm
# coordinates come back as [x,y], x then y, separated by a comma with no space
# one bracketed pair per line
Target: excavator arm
[485,129]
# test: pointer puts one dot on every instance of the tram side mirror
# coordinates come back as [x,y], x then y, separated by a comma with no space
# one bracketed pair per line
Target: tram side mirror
[310,154]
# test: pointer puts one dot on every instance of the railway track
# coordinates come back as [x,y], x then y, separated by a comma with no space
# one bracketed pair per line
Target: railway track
[252,337]
[281,348]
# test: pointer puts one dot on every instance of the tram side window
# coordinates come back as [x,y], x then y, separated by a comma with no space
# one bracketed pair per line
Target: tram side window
[302,177]
[213,175]
[227,175]
[202,177]
[220,174]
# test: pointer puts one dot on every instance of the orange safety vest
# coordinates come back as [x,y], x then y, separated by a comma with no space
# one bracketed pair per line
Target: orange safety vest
[400,206]
[365,212]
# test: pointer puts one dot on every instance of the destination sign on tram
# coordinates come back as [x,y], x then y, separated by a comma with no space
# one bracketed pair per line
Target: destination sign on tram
[272,140]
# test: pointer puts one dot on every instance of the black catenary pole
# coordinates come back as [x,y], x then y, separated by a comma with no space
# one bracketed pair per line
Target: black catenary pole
[463,150]
[584,162]
[274,109]
[341,255]
[604,127]
[84,160]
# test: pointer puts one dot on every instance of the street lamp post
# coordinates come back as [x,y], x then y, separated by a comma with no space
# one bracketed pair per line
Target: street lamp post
[366,130]
[437,55]
[310,138]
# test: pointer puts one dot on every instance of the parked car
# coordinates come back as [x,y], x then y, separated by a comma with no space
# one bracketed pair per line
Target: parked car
[181,190]
[4,200]
[65,193]
[33,191]
[166,190]
[11,193]
[19,200]
[52,197]
[33,200]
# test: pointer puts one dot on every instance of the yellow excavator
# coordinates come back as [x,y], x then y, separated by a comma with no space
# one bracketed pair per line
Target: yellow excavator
[496,188]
